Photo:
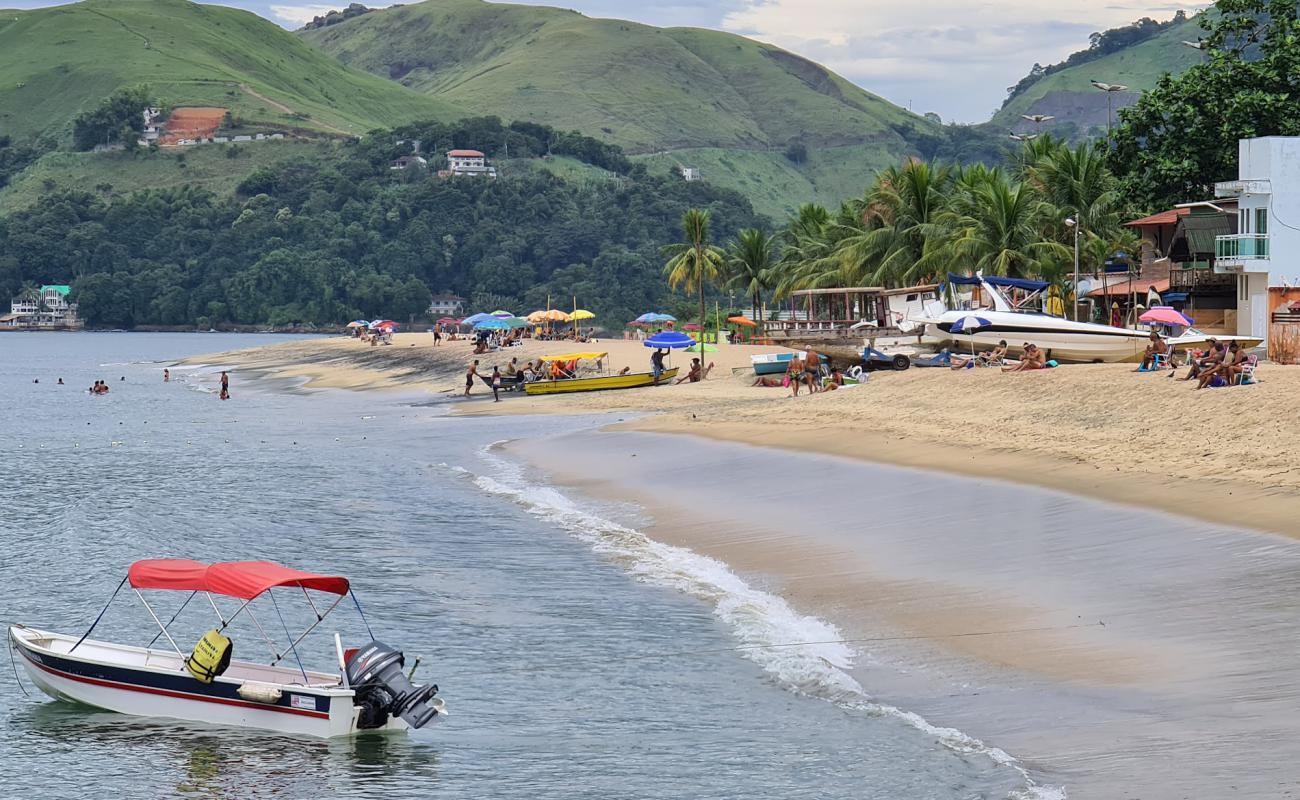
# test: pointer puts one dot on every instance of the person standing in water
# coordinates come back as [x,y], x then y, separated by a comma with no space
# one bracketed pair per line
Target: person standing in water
[225,385]
[167,375]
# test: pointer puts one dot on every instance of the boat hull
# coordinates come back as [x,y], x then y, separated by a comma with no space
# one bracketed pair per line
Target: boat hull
[1063,340]
[599,383]
[153,683]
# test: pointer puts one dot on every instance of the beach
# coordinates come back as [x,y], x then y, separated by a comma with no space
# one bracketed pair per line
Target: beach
[1104,431]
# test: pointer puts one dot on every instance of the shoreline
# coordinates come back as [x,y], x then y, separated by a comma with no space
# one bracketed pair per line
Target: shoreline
[1098,431]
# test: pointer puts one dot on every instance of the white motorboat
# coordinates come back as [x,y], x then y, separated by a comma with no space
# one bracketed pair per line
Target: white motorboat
[368,692]
[1062,339]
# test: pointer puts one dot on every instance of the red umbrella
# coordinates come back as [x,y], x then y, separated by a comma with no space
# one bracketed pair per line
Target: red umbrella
[448,321]
[691,326]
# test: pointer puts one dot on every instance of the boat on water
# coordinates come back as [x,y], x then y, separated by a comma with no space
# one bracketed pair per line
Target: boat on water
[563,376]
[1062,339]
[368,692]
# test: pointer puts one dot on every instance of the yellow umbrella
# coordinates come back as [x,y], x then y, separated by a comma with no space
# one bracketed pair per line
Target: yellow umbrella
[555,315]
[581,313]
[536,317]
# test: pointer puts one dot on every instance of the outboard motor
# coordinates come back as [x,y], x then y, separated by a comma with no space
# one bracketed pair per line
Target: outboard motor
[375,674]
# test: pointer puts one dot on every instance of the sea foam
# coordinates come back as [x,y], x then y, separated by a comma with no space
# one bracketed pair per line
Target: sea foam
[764,624]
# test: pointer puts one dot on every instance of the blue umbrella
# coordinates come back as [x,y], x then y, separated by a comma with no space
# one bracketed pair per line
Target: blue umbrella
[493,324]
[969,324]
[476,319]
[671,340]
[644,318]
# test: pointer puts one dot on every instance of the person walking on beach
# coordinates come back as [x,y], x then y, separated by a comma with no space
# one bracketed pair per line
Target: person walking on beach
[167,375]
[470,374]
[496,384]
[657,363]
[225,385]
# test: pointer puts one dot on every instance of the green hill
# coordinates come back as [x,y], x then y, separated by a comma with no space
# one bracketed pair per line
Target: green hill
[662,93]
[62,60]
[1069,96]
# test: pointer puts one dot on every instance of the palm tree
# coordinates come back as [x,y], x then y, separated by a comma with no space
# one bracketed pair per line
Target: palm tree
[899,217]
[694,261]
[750,259]
[997,227]
[1077,180]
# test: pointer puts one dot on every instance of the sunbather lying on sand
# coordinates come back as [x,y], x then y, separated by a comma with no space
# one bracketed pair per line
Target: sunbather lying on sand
[983,359]
[768,380]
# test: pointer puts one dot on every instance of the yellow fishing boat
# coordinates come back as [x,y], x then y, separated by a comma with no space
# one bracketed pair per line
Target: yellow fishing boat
[562,376]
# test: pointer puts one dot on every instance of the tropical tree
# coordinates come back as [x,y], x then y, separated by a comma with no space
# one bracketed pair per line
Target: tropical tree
[750,259]
[996,227]
[1076,180]
[899,216]
[1181,136]
[695,261]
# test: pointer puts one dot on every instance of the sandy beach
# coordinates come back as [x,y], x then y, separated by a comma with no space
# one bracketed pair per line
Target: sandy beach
[1103,431]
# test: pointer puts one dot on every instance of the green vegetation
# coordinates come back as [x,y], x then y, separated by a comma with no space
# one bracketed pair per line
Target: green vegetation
[116,120]
[324,240]
[921,220]
[1182,136]
[733,107]
[216,168]
[65,60]
[1064,90]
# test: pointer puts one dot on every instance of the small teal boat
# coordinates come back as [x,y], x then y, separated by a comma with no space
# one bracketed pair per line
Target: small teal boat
[776,363]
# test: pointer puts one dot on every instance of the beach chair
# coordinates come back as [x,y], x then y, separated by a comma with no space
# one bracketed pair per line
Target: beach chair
[1160,361]
[1247,374]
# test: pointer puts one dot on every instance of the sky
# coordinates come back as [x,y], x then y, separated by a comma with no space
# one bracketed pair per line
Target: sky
[953,57]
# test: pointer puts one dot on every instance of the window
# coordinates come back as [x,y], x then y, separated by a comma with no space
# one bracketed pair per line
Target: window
[1261,220]
[1243,221]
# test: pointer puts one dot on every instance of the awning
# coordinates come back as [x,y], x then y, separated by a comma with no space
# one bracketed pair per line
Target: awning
[1163,218]
[1174,297]
[242,579]
[574,356]
[1019,283]
[1122,287]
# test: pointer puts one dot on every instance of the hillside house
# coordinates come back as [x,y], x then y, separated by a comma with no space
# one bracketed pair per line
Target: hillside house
[446,305]
[689,174]
[409,162]
[469,162]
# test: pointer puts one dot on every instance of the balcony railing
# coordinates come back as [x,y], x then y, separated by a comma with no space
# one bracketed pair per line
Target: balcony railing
[1241,247]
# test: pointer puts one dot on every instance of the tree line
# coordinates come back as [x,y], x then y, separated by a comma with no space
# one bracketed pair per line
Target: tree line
[324,241]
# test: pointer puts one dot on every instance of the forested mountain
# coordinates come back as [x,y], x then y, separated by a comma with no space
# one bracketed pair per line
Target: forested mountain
[324,241]
[58,62]
[752,116]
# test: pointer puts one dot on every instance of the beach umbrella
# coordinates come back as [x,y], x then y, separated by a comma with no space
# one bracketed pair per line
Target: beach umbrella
[536,317]
[968,325]
[581,313]
[475,319]
[517,322]
[742,320]
[671,340]
[499,314]
[695,348]
[493,324]
[448,321]
[692,326]
[382,323]
[358,323]
[1165,315]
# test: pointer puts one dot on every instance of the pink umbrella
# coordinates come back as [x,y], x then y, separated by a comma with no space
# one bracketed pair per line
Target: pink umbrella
[691,326]
[1165,315]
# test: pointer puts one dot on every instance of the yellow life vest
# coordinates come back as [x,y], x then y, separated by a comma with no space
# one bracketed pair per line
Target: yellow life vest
[211,656]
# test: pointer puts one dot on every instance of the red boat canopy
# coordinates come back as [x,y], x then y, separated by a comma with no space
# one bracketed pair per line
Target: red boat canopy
[242,579]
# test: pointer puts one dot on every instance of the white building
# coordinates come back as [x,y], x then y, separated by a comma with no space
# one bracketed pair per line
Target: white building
[689,174]
[50,309]
[446,305]
[1264,254]
[469,162]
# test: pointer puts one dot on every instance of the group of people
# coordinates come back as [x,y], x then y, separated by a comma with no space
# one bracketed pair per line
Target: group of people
[1218,360]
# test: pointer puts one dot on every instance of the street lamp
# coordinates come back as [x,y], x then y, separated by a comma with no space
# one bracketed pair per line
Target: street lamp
[1037,119]
[1023,137]
[1073,222]
[1109,89]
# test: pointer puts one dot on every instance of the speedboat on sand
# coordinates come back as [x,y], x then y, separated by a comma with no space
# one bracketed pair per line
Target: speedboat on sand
[1062,339]
[368,692]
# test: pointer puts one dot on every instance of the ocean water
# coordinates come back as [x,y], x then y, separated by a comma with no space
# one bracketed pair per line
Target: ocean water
[578,658]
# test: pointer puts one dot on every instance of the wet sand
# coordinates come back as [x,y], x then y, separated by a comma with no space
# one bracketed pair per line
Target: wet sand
[1119,652]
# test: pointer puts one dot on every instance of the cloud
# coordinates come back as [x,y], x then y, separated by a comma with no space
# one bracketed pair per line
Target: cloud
[300,15]
[955,57]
